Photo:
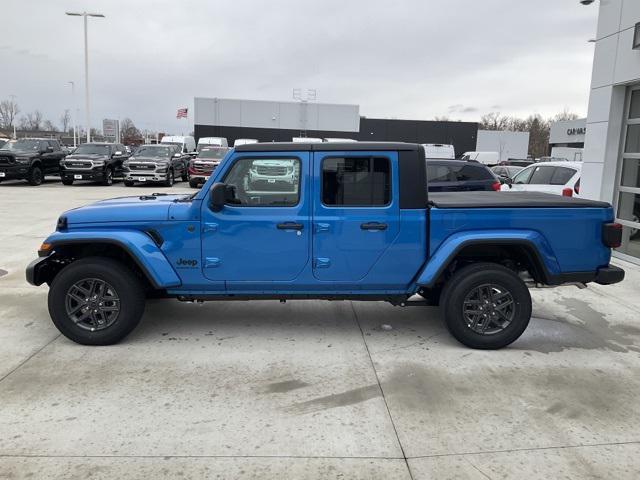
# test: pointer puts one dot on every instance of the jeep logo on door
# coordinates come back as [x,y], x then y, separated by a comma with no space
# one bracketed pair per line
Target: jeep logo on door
[186,263]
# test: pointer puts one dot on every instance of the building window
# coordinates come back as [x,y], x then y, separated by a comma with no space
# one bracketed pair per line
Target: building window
[628,190]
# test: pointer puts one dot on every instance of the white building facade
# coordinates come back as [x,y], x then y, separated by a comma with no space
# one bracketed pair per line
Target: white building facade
[611,160]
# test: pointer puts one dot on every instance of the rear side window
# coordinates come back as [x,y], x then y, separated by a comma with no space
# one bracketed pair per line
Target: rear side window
[470,173]
[356,182]
[542,176]
[562,175]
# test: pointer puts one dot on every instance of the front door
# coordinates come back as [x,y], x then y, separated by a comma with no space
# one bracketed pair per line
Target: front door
[355,215]
[263,235]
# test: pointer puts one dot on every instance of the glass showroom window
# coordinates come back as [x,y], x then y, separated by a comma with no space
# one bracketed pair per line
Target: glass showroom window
[628,195]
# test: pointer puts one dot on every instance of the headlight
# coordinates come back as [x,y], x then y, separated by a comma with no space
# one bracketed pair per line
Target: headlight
[97,163]
[22,159]
[62,162]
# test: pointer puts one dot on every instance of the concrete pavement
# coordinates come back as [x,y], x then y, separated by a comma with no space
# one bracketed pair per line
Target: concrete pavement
[309,389]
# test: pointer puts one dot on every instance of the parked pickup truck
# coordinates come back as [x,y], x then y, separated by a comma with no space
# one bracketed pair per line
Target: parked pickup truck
[358,225]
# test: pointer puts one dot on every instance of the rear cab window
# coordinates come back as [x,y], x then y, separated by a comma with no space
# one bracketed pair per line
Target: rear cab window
[356,181]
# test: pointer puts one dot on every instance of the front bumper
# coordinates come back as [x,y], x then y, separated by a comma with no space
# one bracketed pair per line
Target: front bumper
[17,171]
[145,176]
[609,275]
[83,174]
[39,270]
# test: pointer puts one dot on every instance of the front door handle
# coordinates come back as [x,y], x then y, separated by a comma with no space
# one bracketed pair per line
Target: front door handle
[373,226]
[290,226]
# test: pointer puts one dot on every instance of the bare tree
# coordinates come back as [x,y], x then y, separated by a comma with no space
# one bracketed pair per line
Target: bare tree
[34,120]
[8,112]
[565,115]
[129,133]
[65,120]
[49,126]
[441,118]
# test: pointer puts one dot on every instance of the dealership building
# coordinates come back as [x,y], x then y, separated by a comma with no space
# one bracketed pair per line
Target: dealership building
[272,121]
[611,161]
[566,139]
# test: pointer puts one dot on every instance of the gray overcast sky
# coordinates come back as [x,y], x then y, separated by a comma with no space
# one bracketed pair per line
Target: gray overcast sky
[406,58]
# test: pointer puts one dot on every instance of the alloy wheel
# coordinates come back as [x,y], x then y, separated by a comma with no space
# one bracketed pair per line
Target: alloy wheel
[92,304]
[488,309]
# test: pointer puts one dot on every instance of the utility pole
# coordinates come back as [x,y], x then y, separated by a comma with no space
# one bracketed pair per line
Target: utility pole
[13,108]
[86,66]
[75,114]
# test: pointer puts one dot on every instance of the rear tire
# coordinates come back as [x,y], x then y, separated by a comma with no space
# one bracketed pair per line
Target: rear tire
[35,176]
[486,306]
[75,317]
[67,181]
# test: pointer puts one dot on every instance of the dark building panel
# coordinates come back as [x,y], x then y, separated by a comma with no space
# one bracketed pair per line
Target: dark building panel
[462,135]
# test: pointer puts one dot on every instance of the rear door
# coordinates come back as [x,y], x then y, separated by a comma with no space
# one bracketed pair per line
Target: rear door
[355,212]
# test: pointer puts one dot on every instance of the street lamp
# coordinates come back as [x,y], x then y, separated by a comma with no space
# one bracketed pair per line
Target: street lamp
[86,65]
[75,113]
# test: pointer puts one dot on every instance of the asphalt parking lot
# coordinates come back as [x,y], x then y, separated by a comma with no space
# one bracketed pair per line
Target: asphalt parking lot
[309,389]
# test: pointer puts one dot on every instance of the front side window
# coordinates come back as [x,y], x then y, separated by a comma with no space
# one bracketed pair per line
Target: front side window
[356,182]
[265,182]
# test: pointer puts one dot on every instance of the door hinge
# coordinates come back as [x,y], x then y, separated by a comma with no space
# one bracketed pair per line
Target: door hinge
[321,262]
[321,227]
[211,262]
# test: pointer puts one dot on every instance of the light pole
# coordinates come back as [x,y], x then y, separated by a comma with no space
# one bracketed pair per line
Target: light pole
[86,66]
[74,110]
[13,109]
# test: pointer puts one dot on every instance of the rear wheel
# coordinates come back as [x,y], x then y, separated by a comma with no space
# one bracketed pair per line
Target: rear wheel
[96,301]
[486,306]
[35,176]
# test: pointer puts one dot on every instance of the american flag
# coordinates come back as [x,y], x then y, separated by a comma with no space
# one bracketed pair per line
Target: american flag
[182,113]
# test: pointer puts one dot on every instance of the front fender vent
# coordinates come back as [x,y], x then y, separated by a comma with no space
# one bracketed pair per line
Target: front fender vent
[155,236]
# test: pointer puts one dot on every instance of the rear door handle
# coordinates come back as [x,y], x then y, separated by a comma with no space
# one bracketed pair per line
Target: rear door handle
[290,226]
[373,226]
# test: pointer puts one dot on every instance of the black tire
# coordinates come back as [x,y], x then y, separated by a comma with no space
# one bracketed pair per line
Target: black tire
[185,175]
[170,179]
[67,181]
[194,183]
[128,183]
[35,176]
[108,177]
[118,279]
[500,285]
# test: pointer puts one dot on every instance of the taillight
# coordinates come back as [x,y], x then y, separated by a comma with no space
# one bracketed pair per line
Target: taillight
[495,186]
[567,192]
[612,235]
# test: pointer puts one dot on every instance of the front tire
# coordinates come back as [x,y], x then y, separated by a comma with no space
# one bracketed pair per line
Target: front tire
[128,183]
[185,175]
[170,179]
[486,306]
[67,181]
[108,177]
[194,183]
[35,176]
[96,301]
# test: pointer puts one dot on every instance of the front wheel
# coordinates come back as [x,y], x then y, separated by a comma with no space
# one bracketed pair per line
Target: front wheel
[128,183]
[170,179]
[35,176]
[108,177]
[96,301]
[194,183]
[67,181]
[185,175]
[486,306]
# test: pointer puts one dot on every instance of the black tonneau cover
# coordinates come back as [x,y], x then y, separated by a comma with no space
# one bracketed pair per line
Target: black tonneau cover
[509,200]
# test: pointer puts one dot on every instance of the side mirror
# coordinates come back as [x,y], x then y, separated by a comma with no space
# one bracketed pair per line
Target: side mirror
[177,155]
[508,181]
[48,149]
[218,196]
[118,153]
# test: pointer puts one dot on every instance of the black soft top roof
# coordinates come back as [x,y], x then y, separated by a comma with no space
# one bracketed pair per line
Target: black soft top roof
[509,200]
[326,146]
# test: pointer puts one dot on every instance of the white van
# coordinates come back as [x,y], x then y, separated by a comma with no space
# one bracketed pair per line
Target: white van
[244,141]
[486,158]
[439,150]
[212,142]
[306,140]
[187,144]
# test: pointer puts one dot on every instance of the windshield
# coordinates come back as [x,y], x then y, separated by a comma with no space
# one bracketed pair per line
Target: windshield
[216,153]
[153,151]
[22,145]
[88,149]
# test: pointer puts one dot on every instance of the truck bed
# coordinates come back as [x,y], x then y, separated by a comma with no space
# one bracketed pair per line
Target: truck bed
[468,200]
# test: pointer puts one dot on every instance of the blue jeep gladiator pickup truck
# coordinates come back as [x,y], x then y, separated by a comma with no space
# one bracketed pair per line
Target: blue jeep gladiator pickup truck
[349,221]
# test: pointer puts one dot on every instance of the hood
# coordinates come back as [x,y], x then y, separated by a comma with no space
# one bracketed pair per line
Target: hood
[17,153]
[87,156]
[145,208]
[149,159]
